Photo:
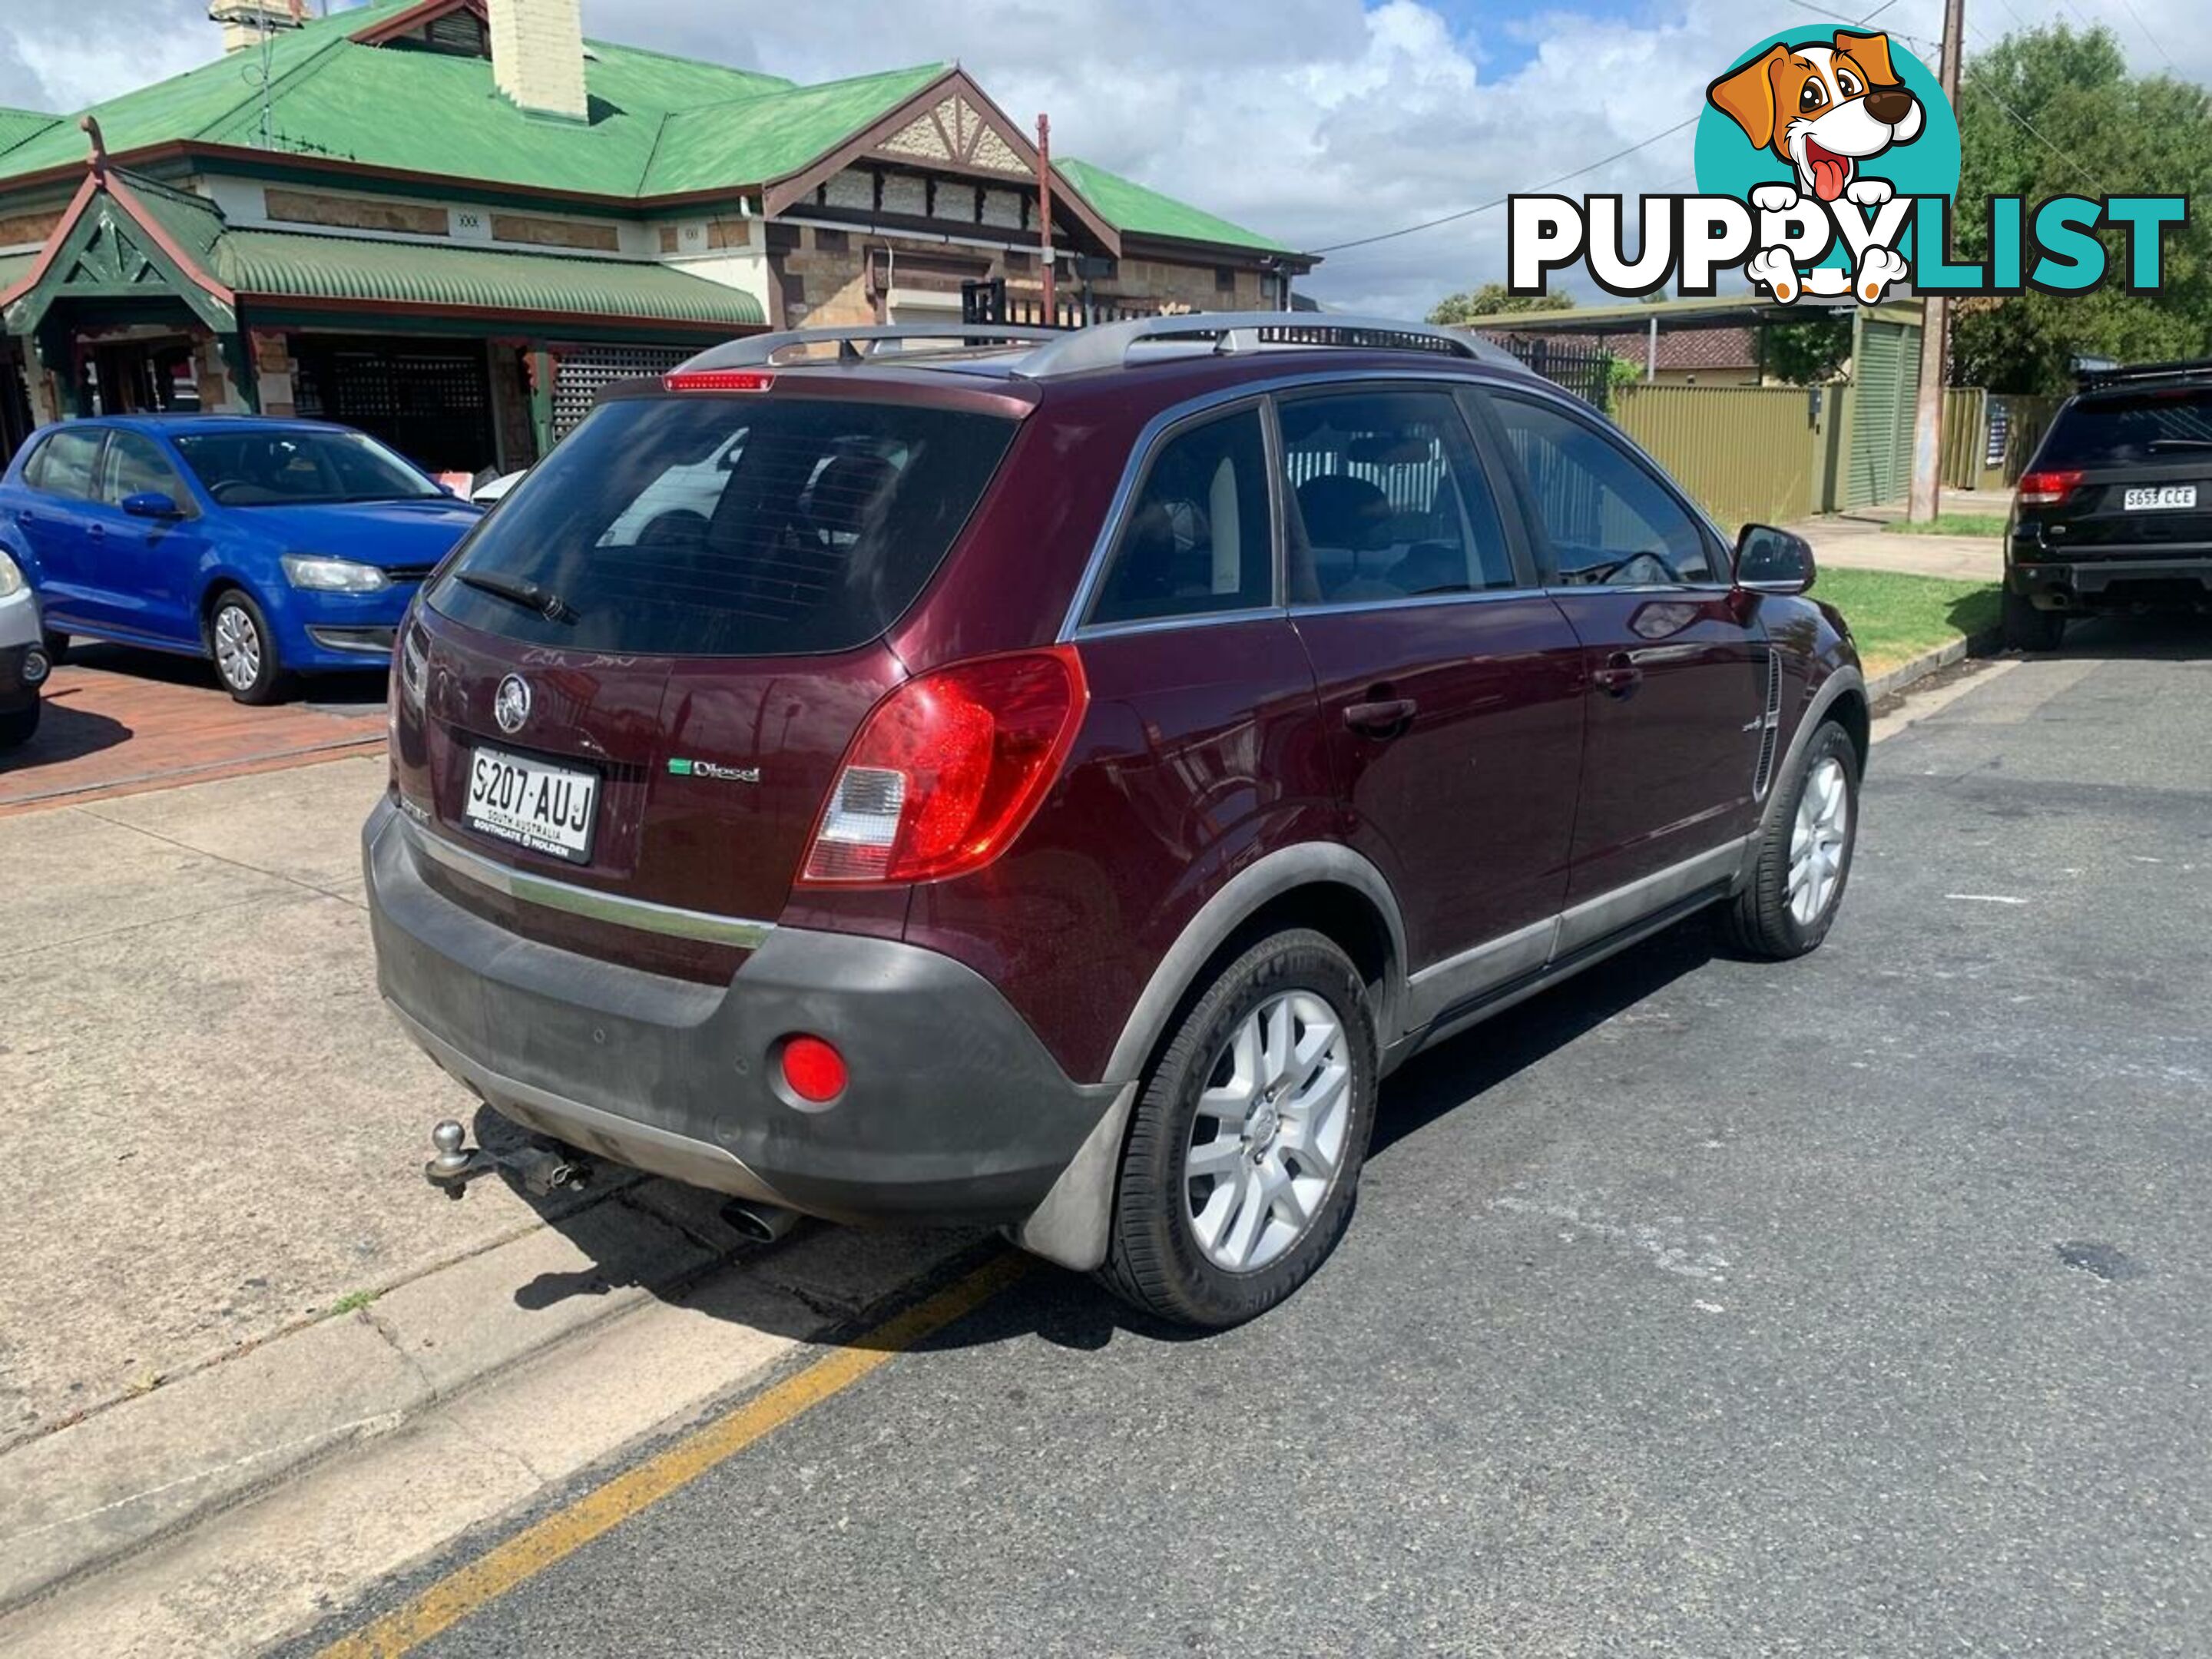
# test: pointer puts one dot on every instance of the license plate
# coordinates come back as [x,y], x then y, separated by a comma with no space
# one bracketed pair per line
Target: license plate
[2167,496]
[547,809]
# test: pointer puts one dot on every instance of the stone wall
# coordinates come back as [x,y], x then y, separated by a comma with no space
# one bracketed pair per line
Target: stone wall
[273,370]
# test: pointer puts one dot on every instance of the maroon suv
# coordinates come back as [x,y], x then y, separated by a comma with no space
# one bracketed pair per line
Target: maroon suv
[1050,781]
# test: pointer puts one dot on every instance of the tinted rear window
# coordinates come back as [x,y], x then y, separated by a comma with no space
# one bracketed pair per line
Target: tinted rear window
[2138,426]
[730,526]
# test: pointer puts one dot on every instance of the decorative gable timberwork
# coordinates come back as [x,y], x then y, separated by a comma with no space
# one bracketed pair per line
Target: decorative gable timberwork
[111,246]
[950,129]
[955,130]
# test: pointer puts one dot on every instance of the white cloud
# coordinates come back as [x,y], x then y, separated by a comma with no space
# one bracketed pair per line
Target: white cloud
[1314,120]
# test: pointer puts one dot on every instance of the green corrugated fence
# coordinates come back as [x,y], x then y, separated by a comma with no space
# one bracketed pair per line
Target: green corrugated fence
[1749,454]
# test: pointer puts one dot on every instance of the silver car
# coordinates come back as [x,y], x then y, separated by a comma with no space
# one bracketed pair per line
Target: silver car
[24,663]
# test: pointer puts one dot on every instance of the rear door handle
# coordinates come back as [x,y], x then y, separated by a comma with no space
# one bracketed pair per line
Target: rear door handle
[1385,718]
[1620,676]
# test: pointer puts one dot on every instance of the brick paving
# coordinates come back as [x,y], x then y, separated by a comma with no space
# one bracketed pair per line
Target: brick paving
[119,722]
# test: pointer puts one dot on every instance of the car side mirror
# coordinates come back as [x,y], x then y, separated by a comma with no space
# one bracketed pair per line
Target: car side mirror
[152,504]
[1770,561]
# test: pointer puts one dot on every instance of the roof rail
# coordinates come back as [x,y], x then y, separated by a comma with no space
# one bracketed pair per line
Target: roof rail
[2190,368]
[1108,345]
[854,344]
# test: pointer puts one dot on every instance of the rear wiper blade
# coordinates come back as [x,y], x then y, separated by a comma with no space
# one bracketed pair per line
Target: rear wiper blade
[518,590]
[2179,443]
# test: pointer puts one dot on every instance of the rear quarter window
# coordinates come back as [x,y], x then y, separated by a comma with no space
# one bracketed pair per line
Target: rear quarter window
[2129,429]
[728,526]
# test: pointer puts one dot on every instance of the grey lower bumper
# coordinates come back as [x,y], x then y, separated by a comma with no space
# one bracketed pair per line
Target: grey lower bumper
[955,1112]
[2057,584]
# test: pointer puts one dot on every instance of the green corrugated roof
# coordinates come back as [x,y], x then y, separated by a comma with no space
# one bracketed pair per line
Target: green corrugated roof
[14,267]
[658,125]
[1129,206]
[18,124]
[766,138]
[287,265]
[193,222]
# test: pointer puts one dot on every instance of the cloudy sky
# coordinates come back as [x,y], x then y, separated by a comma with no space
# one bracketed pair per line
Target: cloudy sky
[1318,121]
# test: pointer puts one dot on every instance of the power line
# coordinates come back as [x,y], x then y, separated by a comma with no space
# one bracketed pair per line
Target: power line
[2148,35]
[1468,213]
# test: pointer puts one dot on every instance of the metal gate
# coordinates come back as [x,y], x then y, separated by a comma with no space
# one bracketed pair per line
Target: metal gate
[1572,366]
[585,371]
[429,401]
[1884,384]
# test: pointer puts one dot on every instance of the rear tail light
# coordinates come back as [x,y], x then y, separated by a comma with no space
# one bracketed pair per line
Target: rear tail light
[2047,489]
[718,379]
[948,769]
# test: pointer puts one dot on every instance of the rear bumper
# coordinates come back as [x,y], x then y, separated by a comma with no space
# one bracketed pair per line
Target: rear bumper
[2061,584]
[955,1111]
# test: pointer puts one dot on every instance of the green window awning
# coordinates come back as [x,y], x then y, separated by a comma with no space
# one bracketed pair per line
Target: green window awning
[329,269]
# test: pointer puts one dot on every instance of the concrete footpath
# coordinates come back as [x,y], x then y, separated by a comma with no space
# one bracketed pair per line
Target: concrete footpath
[1862,540]
[223,1263]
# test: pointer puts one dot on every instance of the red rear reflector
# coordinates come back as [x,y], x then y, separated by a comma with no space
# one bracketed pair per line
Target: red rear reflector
[813,1069]
[718,379]
[948,769]
[2046,489]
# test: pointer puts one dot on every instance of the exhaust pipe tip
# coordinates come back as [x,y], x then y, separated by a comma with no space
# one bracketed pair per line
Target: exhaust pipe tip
[761,1223]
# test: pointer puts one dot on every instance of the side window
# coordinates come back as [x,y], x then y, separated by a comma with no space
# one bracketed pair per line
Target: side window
[134,466]
[1391,501]
[1196,538]
[65,463]
[1608,520]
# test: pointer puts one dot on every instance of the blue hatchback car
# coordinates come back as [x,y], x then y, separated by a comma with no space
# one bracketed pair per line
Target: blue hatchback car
[272,546]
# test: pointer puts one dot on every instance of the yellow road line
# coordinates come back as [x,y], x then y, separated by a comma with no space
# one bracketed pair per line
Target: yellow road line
[567,1530]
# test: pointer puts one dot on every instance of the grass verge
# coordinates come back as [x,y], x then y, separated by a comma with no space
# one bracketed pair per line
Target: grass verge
[1896,617]
[1951,524]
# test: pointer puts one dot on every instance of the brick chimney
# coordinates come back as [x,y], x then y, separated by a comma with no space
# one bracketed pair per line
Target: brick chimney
[244,21]
[537,56]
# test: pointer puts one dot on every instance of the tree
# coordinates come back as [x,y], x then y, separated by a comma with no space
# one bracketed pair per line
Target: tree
[1491,300]
[1809,351]
[2053,112]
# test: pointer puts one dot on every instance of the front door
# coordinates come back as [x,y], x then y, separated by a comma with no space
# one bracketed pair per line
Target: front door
[1678,671]
[1451,686]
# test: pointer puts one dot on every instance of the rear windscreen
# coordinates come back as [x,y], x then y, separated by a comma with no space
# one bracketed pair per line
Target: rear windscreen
[727,526]
[2124,430]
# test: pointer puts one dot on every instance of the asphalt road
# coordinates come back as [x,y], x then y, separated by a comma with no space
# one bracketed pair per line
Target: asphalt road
[1859,1306]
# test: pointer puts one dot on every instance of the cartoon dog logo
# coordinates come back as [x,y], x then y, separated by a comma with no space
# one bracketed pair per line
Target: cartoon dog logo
[1823,107]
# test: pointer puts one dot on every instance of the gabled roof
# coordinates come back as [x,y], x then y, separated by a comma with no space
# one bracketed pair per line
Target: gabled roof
[352,87]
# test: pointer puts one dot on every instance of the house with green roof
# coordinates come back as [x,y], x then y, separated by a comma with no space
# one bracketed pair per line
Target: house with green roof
[450,222]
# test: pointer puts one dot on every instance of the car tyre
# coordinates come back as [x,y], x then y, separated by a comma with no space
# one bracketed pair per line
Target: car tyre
[1286,1027]
[1804,854]
[245,650]
[57,647]
[20,726]
[2026,628]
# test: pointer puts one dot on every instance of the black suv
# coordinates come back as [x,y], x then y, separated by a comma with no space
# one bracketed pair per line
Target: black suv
[2115,512]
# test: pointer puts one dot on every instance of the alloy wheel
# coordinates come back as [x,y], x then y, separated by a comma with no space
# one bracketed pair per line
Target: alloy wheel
[1816,842]
[237,649]
[1270,1132]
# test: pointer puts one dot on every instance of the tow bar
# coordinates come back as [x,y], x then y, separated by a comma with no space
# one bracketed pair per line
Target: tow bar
[542,1172]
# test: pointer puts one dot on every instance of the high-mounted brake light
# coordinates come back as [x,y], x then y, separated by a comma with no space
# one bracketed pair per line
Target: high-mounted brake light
[948,769]
[718,379]
[2046,489]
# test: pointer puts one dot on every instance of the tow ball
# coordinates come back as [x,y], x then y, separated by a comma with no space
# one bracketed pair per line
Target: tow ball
[542,1171]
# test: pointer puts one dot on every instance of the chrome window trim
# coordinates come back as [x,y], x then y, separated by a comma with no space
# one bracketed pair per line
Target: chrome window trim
[1415,601]
[1193,619]
[1073,626]
[588,903]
